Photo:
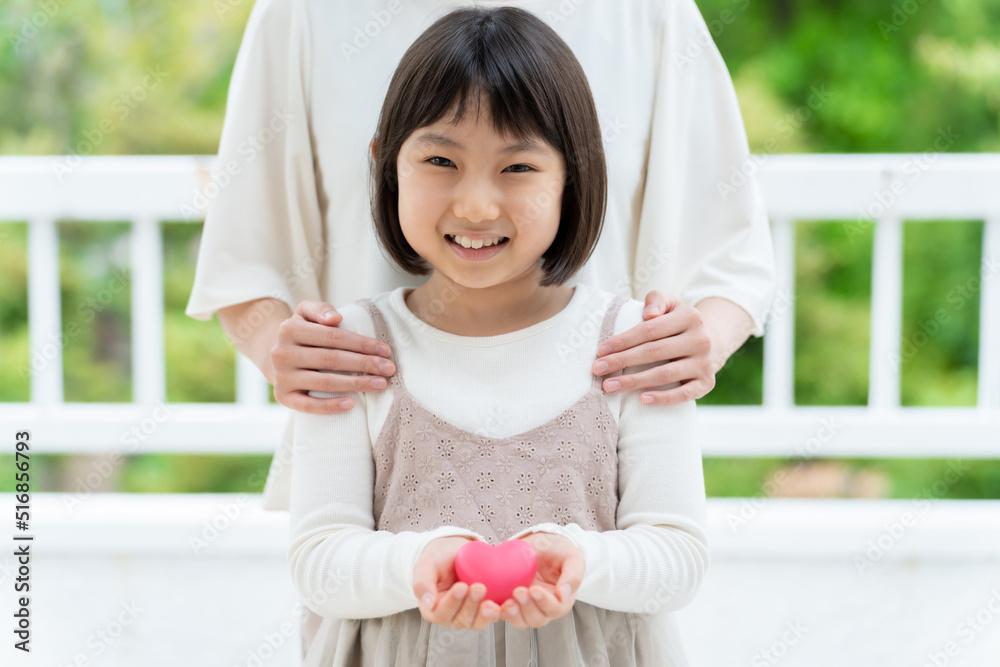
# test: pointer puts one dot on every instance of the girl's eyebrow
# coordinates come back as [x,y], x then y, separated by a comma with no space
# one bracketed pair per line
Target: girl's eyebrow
[434,139]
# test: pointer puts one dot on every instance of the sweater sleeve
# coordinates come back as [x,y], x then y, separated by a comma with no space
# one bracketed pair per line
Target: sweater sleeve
[263,233]
[340,564]
[702,208]
[656,559]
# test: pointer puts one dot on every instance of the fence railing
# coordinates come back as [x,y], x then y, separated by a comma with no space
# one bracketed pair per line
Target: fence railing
[884,190]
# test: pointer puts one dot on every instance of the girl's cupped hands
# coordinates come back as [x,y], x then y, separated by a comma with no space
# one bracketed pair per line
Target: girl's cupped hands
[446,601]
[443,598]
[553,593]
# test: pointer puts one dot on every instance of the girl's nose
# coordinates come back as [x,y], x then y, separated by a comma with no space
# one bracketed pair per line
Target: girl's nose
[476,200]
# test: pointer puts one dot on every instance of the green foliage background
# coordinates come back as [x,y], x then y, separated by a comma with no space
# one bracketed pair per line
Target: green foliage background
[811,76]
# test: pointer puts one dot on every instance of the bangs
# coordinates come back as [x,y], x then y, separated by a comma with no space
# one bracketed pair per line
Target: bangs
[475,63]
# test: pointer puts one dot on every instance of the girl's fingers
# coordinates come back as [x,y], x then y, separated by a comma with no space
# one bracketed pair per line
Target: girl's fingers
[528,611]
[540,608]
[452,603]
[571,576]
[511,612]
[466,613]
[489,612]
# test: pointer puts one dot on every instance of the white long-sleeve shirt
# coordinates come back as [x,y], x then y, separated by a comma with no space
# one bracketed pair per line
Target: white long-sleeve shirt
[655,560]
[288,213]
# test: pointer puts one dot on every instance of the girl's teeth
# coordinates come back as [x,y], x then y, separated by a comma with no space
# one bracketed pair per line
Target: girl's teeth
[466,242]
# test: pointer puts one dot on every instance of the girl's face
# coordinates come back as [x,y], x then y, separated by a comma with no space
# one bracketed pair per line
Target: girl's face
[466,180]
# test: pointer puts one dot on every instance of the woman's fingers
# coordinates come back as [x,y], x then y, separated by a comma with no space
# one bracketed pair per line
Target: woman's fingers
[309,357]
[318,311]
[658,303]
[678,334]
[317,406]
[663,326]
[340,361]
[303,332]
[688,391]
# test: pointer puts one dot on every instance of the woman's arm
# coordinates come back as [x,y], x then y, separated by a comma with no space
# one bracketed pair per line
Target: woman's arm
[263,215]
[252,326]
[703,229]
[340,564]
[728,327]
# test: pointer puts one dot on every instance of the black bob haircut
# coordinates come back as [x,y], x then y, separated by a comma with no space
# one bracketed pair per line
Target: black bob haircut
[534,86]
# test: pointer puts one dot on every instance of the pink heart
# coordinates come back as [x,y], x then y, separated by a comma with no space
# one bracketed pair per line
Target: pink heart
[501,568]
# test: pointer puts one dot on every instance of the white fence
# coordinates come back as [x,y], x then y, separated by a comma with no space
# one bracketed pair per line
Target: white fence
[888,188]
[118,581]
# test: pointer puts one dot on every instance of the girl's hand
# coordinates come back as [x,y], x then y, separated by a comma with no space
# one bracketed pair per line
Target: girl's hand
[445,600]
[671,332]
[553,593]
[309,342]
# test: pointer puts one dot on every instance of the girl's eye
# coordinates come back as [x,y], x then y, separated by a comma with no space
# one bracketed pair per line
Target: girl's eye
[520,168]
[443,159]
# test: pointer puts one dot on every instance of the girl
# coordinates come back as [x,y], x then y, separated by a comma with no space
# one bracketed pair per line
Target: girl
[489,177]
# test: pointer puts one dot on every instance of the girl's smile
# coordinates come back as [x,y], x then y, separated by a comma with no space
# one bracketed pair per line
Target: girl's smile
[477,247]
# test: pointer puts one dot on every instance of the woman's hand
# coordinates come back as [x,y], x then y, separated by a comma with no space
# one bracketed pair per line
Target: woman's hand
[671,332]
[310,341]
[553,592]
[445,600]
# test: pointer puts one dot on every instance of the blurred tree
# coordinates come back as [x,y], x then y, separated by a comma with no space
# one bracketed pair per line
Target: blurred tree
[118,77]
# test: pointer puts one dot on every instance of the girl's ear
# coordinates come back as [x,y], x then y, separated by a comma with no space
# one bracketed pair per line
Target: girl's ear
[373,149]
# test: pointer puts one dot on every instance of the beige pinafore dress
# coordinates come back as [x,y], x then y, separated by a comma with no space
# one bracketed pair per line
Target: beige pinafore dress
[430,473]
